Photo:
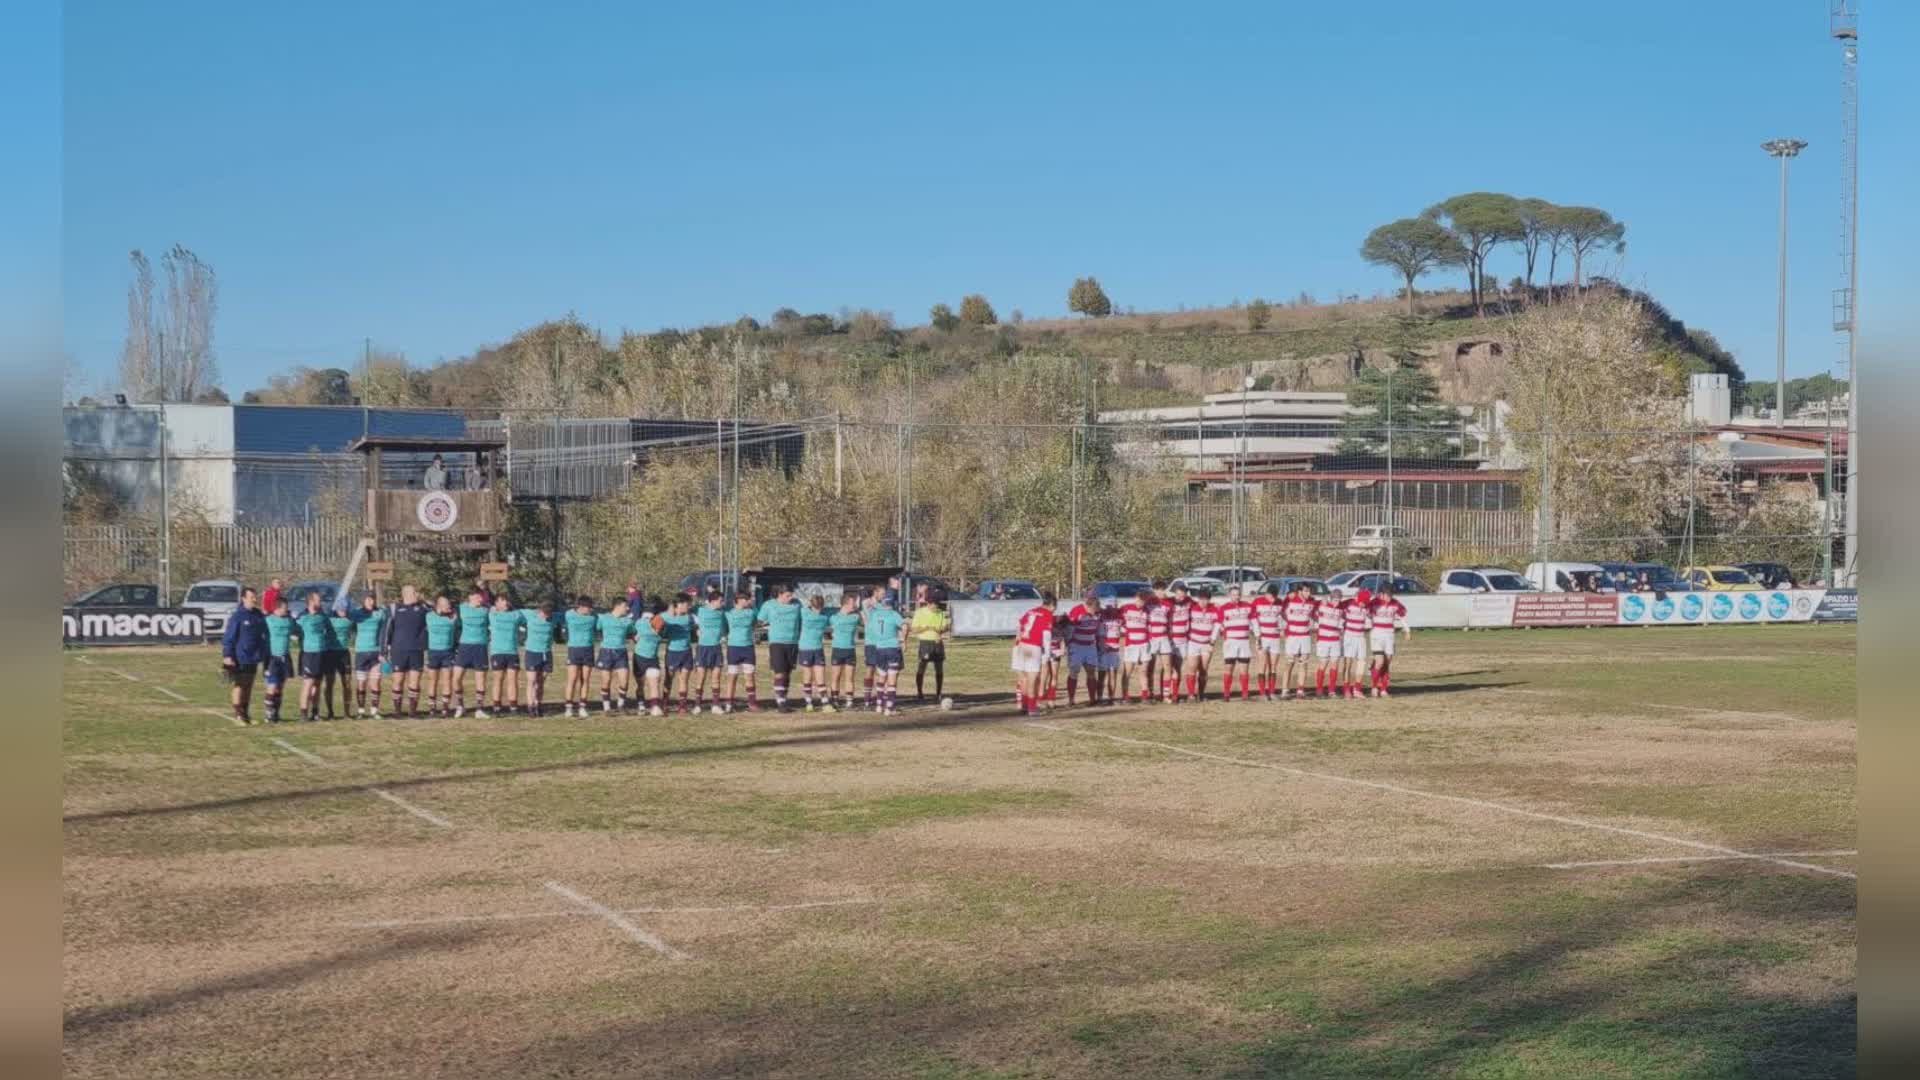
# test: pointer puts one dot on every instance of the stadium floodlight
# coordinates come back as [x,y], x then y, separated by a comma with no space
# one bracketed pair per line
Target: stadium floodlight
[1786,150]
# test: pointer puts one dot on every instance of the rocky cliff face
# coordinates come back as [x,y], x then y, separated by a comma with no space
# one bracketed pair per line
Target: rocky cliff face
[1469,370]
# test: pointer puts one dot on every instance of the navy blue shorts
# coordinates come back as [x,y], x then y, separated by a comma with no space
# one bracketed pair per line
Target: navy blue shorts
[313,665]
[504,661]
[843,658]
[339,661]
[366,661]
[612,660]
[472,656]
[680,661]
[887,659]
[579,656]
[708,657]
[644,664]
[439,659]
[872,656]
[408,660]
[740,655]
[277,670]
[538,661]
[814,658]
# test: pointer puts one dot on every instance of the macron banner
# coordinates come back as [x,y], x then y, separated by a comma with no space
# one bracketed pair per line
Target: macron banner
[1710,608]
[132,626]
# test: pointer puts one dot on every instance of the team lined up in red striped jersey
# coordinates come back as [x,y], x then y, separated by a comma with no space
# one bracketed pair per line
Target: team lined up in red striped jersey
[1160,645]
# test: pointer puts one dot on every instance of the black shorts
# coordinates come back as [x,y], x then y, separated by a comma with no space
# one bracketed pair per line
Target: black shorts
[366,661]
[277,670]
[409,660]
[339,662]
[439,659]
[933,650]
[811,658]
[680,661]
[709,657]
[843,658]
[781,656]
[504,661]
[470,655]
[611,660]
[239,671]
[644,664]
[871,657]
[313,665]
[579,656]
[538,661]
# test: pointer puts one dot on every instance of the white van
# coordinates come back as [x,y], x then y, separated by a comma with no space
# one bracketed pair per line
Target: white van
[1568,577]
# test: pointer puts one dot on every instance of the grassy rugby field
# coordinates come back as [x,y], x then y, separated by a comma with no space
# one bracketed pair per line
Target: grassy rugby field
[1603,853]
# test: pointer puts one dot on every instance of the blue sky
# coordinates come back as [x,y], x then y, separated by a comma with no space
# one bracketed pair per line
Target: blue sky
[436,176]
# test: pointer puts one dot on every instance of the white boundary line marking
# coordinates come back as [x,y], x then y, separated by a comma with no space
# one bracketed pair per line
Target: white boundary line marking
[427,816]
[1693,858]
[1462,800]
[172,693]
[517,916]
[297,752]
[228,717]
[619,921]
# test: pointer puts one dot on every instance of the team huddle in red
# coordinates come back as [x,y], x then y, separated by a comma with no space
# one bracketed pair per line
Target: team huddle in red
[1159,645]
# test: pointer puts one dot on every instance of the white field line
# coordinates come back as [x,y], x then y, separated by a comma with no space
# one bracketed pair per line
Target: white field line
[423,814]
[1461,800]
[297,752]
[618,920]
[172,693]
[1693,859]
[83,658]
[1653,705]
[227,716]
[571,913]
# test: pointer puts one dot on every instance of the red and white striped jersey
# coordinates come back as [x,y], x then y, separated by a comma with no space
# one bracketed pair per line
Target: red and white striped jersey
[1357,617]
[1236,619]
[1085,624]
[1134,617]
[1157,616]
[1036,627]
[1388,614]
[1113,632]
[1333,618]
[1203,623]
[1299,617]
[1266,616]
[1178,614]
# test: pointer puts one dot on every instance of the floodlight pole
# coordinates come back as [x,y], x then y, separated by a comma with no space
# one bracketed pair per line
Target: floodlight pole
[1786,150]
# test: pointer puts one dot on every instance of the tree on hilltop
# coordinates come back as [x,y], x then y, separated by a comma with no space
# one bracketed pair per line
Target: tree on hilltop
[1587,229]
[1088,298]
[1482,220]
[1412,246]
[975,310]
[943,318]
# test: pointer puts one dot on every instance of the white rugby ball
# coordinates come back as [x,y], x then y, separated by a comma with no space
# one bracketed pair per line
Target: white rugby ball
[946,703]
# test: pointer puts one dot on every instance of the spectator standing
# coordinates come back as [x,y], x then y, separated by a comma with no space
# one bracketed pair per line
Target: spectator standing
[477,475]
[271,599]
[435,478]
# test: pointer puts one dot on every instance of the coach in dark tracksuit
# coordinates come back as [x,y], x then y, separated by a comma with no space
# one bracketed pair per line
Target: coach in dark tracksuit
[243,648]
[405,644]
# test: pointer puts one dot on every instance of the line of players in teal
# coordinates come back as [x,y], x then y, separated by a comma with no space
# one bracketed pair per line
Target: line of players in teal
[704,655]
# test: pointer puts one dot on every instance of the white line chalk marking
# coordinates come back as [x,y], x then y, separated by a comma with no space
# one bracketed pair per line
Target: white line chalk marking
[618,920]
[297,752]
[427,816]
[518,916]
[1694,858]
[172,693]
[1459,799]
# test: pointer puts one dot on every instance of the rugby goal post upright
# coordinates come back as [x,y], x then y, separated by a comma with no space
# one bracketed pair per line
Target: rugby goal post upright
[463,515]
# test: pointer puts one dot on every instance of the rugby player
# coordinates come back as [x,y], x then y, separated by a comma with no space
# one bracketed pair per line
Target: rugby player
[1113,642]
[845,625]
[649,630]
[811,652]
[1203,629]
[1159,642]
[1387,613]
[882,631]
[280,630]
[503,653]
[1082,632]
[1179,625]
[406,648]
[471,653]
[740,659]
[442,628]
[1236,642]
[1355,622]
[1033,641]
[710,636]
[1135,658]
[1296,616]
[615,627]
[315,629]
[676,626]
[537,654]
[369,625]
[782,616]
[339,658]
[1330,618]
[1268,638]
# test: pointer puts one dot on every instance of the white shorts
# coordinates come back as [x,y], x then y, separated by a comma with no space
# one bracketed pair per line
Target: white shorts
[1236,649]
[1193,650]
[1083,656]
[1299,648]
[1382,641]
[1327,650]
[1160,647]
[1109,661]
[1028,658]
[1354,646]
[1137,654]
[1270,645]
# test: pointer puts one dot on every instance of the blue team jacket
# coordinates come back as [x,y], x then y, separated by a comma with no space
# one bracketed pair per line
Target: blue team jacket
[245,639]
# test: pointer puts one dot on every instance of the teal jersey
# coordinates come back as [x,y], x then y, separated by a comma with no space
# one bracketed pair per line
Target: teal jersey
[678,630]
[440,630]
[473,624]
[646,640]
[740,627]
[883,628]
[280,635]
[366,628]
[539,631]
[340,629]
[711,623]
[580,628]
[783,621]
[503,632]
[845,625]
[315,629]
[614,631]
[813,629]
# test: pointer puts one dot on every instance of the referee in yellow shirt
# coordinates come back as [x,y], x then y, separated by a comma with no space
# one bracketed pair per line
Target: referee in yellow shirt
[930,628]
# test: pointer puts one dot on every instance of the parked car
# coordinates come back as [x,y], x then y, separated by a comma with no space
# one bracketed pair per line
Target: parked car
[216,600]
[1770,575]
[1350,582]
[701,582]
[1200,585]
[1720,579]
[1660,578]
[120,594]
[1250,578]
[1118,591]
[1373,540]
[1007,590]
[1483,579]
[1285,583]
[296,594]
[1569,577]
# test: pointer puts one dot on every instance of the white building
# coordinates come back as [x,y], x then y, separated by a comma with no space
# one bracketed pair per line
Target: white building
[1273,423]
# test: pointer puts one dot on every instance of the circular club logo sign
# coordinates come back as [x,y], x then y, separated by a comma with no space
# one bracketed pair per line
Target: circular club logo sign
[1632,608]
[1749,605]
[1691,606]
[1663,609]
[437,511]
[1778,606]
[1720,606]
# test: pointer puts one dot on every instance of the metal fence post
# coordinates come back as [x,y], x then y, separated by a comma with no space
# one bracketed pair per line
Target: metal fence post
[166,516]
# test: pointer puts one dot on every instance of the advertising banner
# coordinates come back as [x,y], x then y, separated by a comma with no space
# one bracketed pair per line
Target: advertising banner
[1445,611]
[1839,605]
[1709,608]
[132,626]
[1490,609]
[1565,609]
[987,618]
